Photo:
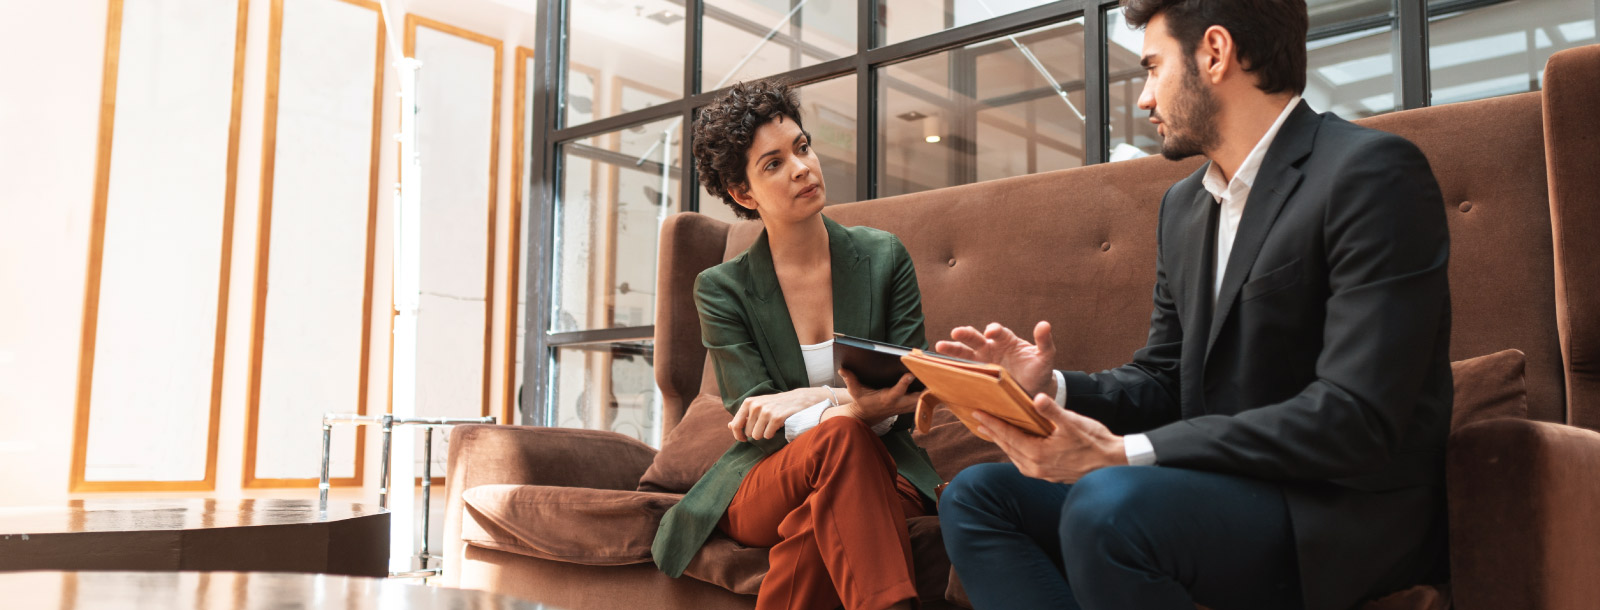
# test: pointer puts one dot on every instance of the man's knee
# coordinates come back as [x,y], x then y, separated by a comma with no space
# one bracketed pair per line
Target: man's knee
[978,486]
[1108,503]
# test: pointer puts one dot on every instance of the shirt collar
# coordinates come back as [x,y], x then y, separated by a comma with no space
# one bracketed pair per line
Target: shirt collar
[1245,177]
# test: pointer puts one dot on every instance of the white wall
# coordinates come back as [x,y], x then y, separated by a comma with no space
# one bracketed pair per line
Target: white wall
[49,114]
[48,124]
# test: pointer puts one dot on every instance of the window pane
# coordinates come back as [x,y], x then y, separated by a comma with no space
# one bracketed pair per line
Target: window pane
[747,39]
[1501,48]
[614,193]
[608,386]
[1350,58]
[983,111]
[1349,70]
[828,109]
[1128,128]
[906,19]
[621,56]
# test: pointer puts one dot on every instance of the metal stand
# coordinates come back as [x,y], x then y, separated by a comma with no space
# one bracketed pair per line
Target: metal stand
[388,423]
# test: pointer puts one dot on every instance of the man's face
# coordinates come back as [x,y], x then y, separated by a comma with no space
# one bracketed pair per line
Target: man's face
[1181,104]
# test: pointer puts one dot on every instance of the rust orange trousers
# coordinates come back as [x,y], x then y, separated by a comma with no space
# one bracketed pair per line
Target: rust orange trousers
[834,512]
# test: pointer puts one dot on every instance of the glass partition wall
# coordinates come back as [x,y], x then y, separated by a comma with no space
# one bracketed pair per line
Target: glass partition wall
[900,96]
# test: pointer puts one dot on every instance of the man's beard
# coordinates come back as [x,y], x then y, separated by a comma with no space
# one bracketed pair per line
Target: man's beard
[1192,126]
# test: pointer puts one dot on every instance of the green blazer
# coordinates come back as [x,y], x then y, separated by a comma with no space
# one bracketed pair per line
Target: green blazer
[745,325]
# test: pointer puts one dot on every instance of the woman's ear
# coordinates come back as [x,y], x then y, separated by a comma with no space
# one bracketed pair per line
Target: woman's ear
[741,196]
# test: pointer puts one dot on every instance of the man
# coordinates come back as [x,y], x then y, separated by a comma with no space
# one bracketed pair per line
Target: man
[1278,442]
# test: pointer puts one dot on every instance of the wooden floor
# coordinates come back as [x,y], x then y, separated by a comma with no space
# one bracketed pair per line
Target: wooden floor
[274,534]
[141,514]
[234,591]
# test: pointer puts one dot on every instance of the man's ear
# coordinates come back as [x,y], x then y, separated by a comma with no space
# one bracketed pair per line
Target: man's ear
[741,196]
[1216,55]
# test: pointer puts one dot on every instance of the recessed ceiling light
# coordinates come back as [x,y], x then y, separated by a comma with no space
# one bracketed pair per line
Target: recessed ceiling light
[665,17]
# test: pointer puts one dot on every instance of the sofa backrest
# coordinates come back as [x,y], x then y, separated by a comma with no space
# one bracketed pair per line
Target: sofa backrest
[1077,247]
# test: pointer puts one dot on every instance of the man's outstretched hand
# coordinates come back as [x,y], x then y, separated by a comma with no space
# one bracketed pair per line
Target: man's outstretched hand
[1078,445]
[1029,363]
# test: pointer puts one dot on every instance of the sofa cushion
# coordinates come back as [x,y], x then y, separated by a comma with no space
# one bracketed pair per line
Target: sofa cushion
[598,527]
[1489,387]
[728,564]
[1420,597]
[690,448]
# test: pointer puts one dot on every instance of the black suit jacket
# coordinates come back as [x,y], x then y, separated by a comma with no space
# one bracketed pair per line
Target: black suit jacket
[1323,365]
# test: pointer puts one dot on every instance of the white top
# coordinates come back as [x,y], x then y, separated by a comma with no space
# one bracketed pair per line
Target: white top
[819,373]
[819,363]
[1231,196]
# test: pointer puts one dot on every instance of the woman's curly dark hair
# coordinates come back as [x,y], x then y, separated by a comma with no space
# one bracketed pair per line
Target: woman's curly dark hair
[725,130]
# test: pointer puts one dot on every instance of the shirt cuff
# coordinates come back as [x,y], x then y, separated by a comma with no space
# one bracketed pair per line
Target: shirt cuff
[882,428]
[1061,388]
[803,420]
[1140,451]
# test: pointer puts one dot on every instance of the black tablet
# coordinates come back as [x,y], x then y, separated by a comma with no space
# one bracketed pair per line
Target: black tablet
[876,364]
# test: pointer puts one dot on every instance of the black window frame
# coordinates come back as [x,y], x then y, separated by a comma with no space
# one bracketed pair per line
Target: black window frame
[1410,30]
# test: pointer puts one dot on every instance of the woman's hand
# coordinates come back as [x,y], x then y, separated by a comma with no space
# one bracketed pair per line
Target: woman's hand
[762,417]
[872,406]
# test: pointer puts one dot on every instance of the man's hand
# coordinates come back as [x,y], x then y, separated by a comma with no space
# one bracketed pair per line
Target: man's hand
[873,406]
[1078,446]
[1028,363]
[762,417]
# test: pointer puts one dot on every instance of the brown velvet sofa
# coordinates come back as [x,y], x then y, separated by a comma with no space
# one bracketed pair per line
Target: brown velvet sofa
[555,515]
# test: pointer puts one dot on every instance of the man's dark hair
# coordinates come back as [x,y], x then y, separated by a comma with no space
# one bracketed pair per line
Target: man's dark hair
[1269,34]
[725,130]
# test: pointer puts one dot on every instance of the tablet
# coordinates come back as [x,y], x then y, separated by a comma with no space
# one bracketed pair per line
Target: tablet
[875,363]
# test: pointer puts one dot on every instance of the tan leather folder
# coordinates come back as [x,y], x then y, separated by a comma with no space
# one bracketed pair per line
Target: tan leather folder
[965,386]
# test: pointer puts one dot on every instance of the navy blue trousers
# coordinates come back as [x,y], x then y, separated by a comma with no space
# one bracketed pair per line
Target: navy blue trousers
[1146,537]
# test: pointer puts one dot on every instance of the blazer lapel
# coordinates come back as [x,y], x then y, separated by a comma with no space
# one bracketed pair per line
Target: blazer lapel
[1198,274]
[852,275]
[770,314]
[1194,297]
[1277,179]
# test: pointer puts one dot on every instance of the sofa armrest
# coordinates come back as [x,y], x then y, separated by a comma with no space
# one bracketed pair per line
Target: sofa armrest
[525,455]
[1522,499]
[562,457]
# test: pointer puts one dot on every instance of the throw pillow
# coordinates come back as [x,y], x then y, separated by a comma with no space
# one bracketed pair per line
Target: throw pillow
[690,448]
[1489,387]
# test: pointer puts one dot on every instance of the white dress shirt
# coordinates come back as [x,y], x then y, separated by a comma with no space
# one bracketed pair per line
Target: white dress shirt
[1231,195]
[819,372]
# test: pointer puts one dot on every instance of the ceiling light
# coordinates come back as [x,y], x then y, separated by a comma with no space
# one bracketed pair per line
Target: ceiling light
[932,130]
[665,17]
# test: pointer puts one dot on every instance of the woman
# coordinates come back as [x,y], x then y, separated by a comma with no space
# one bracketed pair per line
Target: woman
[825,476]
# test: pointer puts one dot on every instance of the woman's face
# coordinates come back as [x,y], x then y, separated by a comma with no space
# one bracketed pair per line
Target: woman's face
[784,175]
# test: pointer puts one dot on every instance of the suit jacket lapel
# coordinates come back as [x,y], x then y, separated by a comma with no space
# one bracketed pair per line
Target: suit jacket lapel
[770,315]
[1201,249]
[852,275]
[1277,179]
[1194,305]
